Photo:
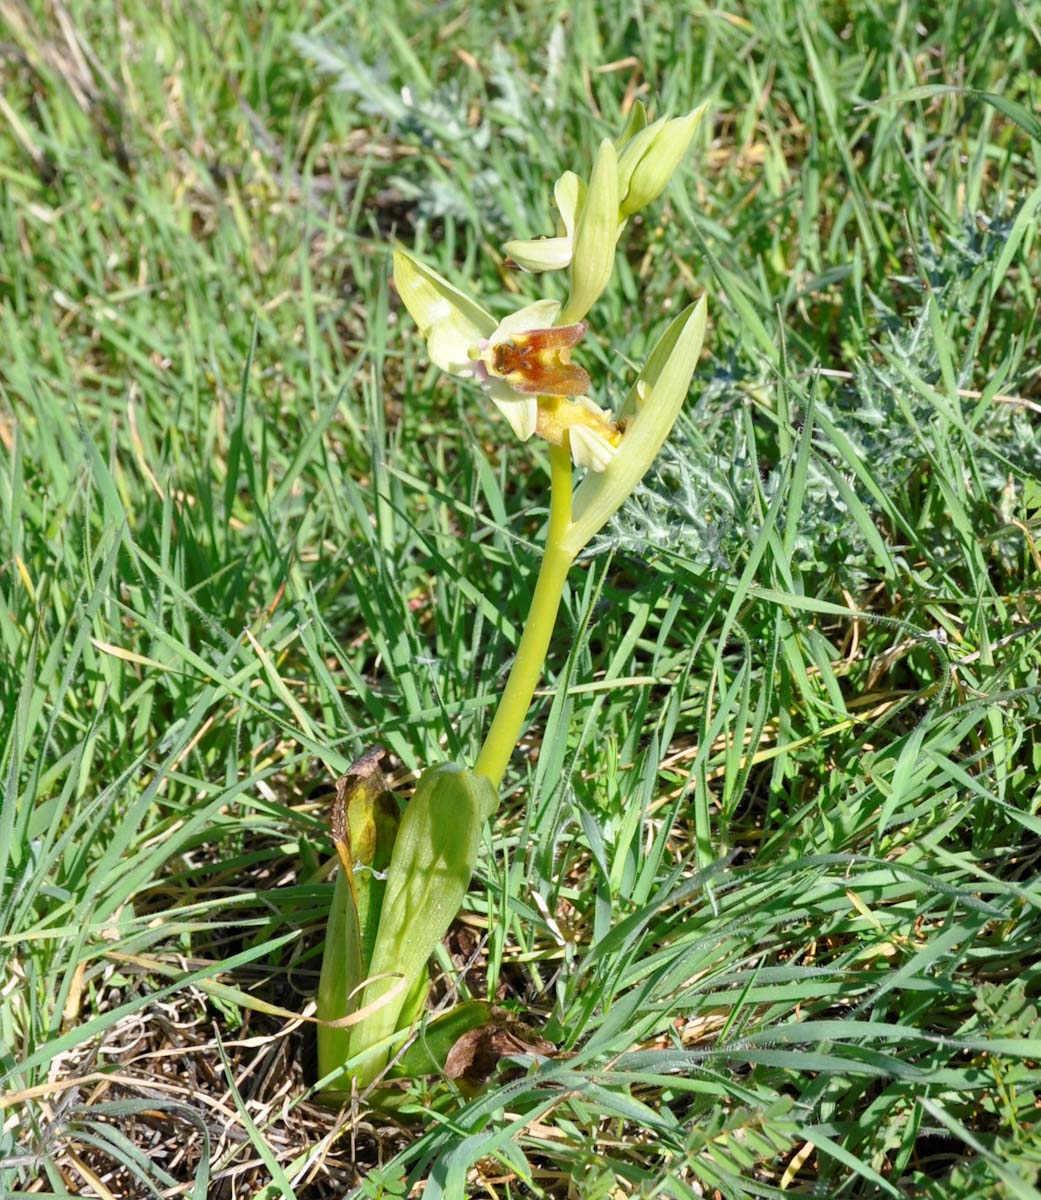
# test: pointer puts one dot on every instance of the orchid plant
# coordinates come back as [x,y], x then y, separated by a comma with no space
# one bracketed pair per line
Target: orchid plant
[401,883]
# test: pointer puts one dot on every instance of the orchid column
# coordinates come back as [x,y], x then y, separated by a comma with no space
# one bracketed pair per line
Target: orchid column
[523,363]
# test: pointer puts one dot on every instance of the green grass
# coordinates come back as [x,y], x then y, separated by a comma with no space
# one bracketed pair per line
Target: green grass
[765,871]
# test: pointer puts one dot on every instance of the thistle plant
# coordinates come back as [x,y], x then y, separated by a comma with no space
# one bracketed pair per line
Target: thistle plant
[400,884]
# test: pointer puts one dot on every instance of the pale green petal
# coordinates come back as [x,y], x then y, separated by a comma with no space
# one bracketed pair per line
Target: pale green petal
[540,315]
[651,410]
[589,449]
[569,193]
[596,233]
[540,254]
[521,411]
[450,321]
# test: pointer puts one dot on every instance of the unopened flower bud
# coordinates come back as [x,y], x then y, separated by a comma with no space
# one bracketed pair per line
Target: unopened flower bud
[649,159]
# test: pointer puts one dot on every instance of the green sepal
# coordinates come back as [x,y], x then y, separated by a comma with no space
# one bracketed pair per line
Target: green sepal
[447,318]
[374,822]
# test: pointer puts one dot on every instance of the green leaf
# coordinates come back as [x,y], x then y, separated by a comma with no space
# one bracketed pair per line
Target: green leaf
[636,121]
[429,874]
[428,1052]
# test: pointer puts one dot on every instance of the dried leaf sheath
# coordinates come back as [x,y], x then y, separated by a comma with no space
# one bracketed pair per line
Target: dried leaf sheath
[363,822]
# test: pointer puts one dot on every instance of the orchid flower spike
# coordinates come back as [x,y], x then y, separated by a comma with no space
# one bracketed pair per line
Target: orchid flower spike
[523,362]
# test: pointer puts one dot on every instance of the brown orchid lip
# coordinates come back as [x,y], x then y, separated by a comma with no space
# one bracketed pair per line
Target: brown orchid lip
[537,362]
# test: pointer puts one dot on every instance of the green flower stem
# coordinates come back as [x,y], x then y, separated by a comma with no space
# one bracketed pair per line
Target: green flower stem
[531,653]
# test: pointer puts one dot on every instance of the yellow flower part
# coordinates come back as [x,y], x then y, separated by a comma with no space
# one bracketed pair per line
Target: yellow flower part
[589,432]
